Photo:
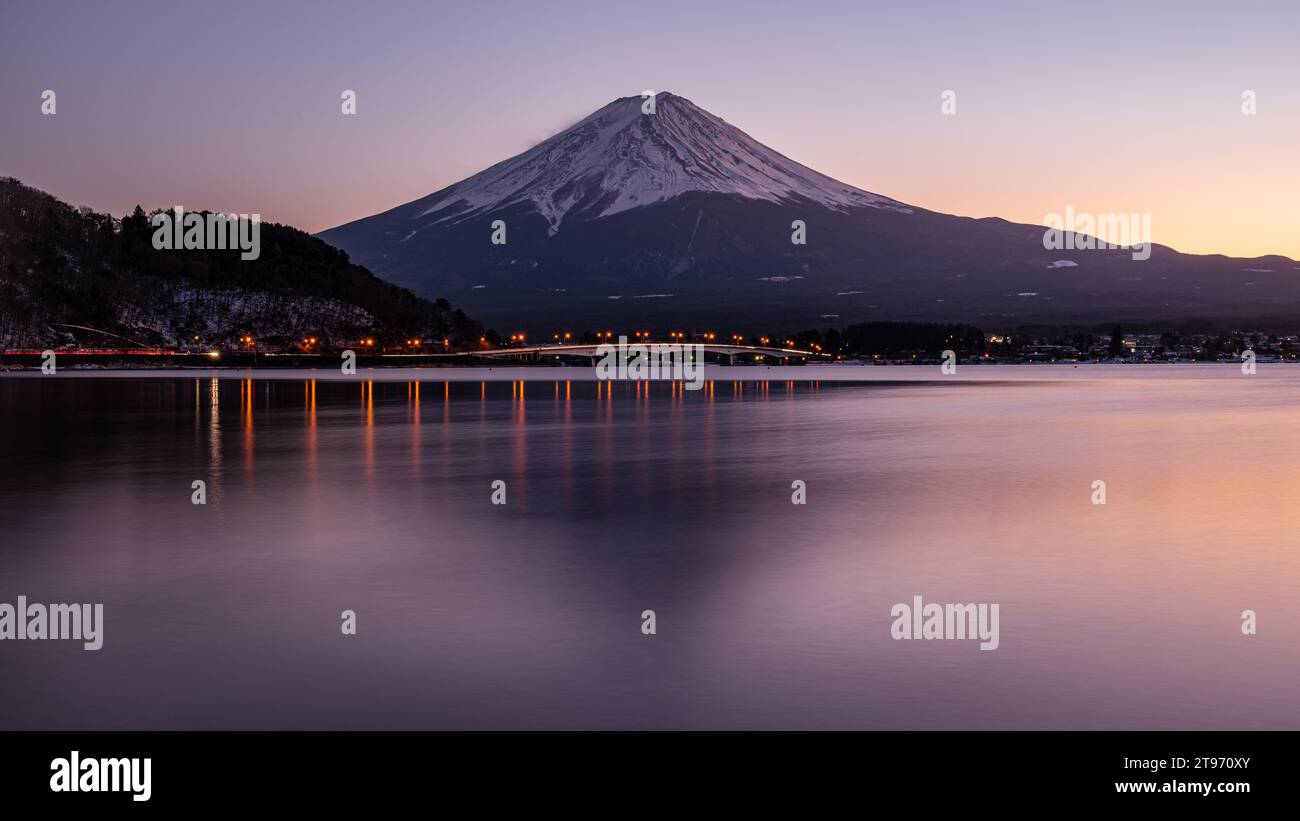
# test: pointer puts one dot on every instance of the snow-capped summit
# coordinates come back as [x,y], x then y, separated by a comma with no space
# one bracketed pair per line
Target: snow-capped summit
[624,156]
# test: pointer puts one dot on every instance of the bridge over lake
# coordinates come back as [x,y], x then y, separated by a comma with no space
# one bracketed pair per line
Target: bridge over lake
[733,354]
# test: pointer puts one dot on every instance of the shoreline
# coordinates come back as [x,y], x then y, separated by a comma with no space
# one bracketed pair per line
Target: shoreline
[1026,371]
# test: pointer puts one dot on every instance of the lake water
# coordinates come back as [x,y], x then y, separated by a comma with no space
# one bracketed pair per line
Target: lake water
[373,494]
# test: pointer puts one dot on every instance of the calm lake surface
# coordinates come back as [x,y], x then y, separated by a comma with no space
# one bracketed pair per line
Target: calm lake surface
[374,496]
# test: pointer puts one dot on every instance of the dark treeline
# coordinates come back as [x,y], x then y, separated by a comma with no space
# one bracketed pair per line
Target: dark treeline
[907,340]
[892,338]
[62,266]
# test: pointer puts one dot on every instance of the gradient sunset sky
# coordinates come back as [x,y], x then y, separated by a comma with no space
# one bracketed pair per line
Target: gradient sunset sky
[1109,107]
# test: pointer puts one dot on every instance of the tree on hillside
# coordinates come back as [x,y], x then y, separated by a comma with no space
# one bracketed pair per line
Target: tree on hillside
[1117,343]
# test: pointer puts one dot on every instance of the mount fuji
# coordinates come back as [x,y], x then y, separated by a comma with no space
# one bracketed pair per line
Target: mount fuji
[669,215]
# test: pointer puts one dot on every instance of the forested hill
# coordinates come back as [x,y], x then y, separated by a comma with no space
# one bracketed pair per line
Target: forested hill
[62,267]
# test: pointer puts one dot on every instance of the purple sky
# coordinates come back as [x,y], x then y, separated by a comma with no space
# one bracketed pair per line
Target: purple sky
[1109,107]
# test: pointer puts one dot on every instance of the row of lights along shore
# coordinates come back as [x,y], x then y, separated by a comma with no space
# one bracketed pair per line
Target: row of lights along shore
[602,336]
[520,339]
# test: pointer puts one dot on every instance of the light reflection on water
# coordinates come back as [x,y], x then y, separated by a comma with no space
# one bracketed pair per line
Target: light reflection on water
[624,497]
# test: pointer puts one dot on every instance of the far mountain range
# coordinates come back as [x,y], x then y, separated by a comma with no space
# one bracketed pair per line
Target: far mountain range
[678,218]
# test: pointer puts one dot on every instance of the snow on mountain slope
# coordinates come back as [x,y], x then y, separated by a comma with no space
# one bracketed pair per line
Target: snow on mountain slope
[682,206]
[620,158]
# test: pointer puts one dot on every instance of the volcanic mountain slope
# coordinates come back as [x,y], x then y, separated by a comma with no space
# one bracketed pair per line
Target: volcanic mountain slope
[677,217]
